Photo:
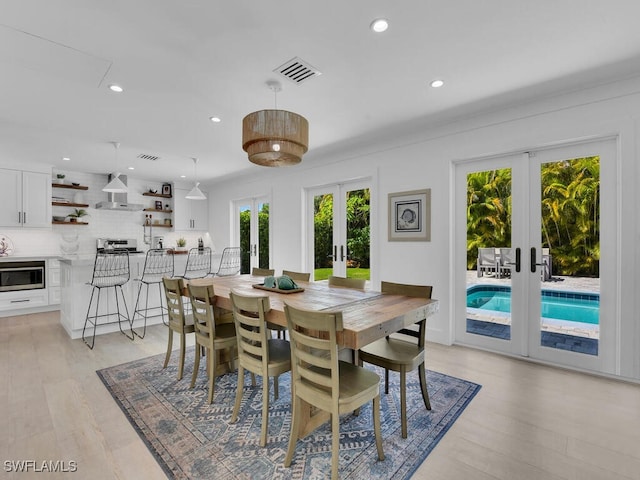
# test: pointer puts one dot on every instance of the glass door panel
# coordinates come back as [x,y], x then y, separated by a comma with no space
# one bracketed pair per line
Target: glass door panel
[252,231]
[357,212]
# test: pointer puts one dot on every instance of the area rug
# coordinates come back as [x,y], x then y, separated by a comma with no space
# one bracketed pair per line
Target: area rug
[194,440]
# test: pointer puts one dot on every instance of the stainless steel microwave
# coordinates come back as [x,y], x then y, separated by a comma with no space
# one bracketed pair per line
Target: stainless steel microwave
[22,276]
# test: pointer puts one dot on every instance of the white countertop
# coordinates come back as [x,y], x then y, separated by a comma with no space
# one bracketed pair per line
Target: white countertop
[27,258]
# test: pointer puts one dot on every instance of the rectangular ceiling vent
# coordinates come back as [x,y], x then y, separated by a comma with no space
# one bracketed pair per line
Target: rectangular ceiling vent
[145,156]
[297,70]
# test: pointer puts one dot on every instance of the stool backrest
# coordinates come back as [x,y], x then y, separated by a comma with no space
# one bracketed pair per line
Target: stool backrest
[157,264]
[111,269]
[198,263]
[229,262]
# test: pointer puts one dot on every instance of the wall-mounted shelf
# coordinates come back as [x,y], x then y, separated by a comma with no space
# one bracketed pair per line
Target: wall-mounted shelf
[70,223]
[156,210]
[160,195]
[66,204]
[160,225]
[68,185]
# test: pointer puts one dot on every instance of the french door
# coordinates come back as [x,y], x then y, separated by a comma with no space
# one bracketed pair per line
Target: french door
[339,230]
[536,254]
[252,226]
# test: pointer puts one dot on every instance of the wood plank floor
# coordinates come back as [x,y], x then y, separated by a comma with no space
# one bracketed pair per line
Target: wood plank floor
[527,422]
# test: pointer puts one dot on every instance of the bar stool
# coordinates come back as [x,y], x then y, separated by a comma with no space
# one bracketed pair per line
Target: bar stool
[157,264]
[198,263]
[110,270]
[229,262]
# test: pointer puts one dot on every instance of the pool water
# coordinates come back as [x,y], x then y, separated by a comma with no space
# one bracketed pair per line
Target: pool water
[560,305]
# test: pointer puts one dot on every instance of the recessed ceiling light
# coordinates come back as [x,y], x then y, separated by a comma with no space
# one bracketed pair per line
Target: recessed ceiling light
[215,119]
[379,25]
[183,176]
[131,168]
[436,83]
[116,88]
[66,159]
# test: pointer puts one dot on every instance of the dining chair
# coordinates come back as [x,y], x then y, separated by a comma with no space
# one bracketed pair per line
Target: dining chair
[257,353]
[401,353]
[262,272]
[214,338]
[229,262]
[297,276]
[355,283]
[179,321]
[110,270]
[157,264]
[323,381]
[198,263]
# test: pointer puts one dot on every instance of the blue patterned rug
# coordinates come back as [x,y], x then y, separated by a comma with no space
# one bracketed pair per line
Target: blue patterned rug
[194,440]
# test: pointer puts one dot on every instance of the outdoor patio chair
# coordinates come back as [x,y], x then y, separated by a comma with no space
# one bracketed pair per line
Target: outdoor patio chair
[506,262]
[487,261]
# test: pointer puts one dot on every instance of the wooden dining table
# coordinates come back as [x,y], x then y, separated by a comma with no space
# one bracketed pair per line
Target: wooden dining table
[367,315]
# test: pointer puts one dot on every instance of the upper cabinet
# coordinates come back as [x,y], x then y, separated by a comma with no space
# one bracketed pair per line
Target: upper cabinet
[25,198]
[190,214]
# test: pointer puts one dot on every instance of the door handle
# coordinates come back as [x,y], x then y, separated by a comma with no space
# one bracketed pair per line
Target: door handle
[342,253]
[517,262]
[534,264]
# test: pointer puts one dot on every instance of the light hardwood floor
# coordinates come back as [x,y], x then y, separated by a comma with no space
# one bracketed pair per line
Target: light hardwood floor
[527,421]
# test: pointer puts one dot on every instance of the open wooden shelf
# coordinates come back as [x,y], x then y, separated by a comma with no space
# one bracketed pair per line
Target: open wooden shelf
[160,195]
[159,211]
[68,185]
[161,225]
[67,204]
[70,223]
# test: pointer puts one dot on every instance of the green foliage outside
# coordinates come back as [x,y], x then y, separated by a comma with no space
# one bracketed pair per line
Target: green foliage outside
[570,214]
[324,273]
[263,234]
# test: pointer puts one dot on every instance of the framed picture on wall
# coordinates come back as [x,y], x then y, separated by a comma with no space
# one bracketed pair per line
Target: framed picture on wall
[158,205]
[410,216]
[166,189]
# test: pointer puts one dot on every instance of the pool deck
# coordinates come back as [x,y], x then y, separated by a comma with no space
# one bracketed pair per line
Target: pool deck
[571,284]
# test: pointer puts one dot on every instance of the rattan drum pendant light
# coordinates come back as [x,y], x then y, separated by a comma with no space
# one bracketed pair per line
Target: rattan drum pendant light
[275,138]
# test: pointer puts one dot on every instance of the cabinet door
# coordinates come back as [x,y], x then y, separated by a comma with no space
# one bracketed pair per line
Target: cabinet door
[200,214]
[182,210]
[10,198]
[36,199]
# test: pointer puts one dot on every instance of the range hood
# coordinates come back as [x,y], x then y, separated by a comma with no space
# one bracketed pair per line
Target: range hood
[118,201]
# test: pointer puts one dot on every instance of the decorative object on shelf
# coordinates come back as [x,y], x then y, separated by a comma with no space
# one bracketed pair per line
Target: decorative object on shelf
[410,216]
[78,213]
[166,206]
[6,246]
[115,185]
[166,189]
[167,222]
[275,138]
[158,205]
[58,219]
[195,193]
[60,178]
[152,191]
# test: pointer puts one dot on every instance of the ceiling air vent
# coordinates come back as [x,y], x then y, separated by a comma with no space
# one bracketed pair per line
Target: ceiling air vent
[297,70]
[145,156]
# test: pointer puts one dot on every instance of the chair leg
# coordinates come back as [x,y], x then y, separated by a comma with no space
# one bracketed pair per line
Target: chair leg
[212,373]
[403,401]
[130,336]
[295,426]
[386,381]
[169,348]
[196,366]
[275,387]
[265,411]
[137,312]
[95,319]
[376,426]
[183,348]
[335,445]
[239,389]
[423,386]
[162,308]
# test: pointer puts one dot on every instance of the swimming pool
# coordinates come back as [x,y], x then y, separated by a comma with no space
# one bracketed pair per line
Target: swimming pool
[561,305]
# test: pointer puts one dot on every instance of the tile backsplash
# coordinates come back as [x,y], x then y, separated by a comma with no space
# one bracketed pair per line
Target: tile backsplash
[81,239]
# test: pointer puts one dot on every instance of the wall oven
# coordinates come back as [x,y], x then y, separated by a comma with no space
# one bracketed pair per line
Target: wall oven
[22,276]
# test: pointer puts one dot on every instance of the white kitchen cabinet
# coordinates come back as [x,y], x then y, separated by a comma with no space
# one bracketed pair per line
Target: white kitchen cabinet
[190,214]
[25,198]
[53,274]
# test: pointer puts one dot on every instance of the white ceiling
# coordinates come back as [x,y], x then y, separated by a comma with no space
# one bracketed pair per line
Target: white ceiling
[181,62]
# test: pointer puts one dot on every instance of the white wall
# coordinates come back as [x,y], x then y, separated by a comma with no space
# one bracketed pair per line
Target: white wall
[424,160]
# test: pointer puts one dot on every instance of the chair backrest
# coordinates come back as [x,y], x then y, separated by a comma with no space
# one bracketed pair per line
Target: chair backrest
[314,355]
[262,272]
[357,283]
[173,288]
[487,256]
[198,263]
[298,276]
[111,269]
[420,291]
[157,264]
[249,314]
[506,256]
[229,262]
[202,309]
